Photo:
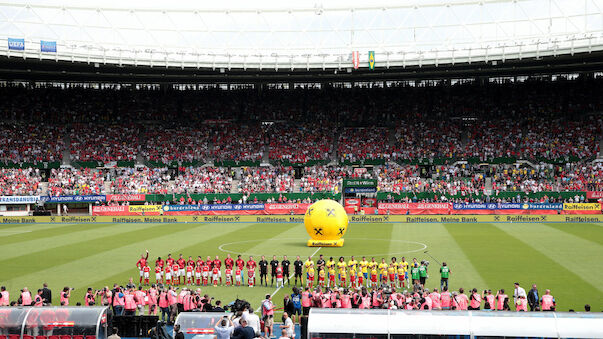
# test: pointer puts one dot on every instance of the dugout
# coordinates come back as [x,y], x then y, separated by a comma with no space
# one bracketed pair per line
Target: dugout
[401,324]
[53,322]
[198,325]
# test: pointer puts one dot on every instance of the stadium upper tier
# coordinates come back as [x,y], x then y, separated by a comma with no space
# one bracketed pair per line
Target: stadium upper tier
[271,34]
[550,121]
[402,182]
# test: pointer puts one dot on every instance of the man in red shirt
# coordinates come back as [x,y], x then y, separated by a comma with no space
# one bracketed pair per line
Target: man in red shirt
[209,262]
[199,261]
[190,262]
[181,265]
[160,263]
[218,264]
[175,274]
[228,262]
[251,264]
[141,263]
[169,261]
[240,265]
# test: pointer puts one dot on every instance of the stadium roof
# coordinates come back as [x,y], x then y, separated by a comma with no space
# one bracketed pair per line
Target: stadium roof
[299,35]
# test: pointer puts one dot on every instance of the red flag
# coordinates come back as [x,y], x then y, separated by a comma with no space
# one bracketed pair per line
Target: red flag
[356,59]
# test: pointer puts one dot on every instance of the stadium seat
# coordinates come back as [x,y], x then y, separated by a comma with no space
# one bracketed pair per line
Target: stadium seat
[27,336]
[90,337]
[40,337]
[78,337]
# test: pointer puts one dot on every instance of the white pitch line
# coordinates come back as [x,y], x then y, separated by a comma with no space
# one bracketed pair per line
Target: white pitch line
[278,289]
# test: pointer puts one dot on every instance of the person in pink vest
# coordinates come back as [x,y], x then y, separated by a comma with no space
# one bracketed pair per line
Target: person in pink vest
[476,300]
[446,299]
[4,296]
[436,299]
[38,300]
[489,303]
[181,299]
[306,301]
[346,301]
[462,300]
[268,315]
[65,295]
[164,305]
[366,299]
[129,303]
[377,299]
[547,302]
[152,300]
[428,303]
[25,297]
[522,304]
[118,301]
[173,300]
[501,300]
[139,297]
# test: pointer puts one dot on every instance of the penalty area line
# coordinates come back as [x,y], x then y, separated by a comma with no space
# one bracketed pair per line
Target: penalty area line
[290,276]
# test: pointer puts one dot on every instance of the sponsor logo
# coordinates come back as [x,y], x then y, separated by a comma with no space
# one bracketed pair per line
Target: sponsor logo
[581,206]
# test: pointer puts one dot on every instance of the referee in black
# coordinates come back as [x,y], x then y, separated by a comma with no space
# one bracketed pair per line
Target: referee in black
[285,264]
[273,266]
[263,270]
[299,266]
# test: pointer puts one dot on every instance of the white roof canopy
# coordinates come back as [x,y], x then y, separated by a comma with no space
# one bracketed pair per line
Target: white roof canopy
[300,34]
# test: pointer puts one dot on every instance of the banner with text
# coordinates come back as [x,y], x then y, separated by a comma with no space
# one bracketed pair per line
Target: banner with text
[413,208]
[125,197]
[16,44]
[17,199]
[594,195]
[74,198]
[360,219]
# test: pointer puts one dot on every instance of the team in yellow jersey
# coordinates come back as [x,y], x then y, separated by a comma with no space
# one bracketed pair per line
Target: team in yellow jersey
[360,273]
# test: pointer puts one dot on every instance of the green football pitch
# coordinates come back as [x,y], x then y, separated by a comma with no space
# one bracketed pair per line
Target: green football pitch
[563,257]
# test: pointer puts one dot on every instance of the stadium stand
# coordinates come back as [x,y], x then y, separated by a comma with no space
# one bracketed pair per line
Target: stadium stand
[17,181]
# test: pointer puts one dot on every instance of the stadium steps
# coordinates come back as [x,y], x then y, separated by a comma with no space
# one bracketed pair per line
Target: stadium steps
[235,186]
[392,137]
[44,187]
[66,160]
[296,185]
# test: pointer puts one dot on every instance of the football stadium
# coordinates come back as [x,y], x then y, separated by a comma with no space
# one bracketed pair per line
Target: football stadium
[301,169]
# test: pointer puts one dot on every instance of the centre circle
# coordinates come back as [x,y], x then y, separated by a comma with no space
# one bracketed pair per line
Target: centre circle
[405,246]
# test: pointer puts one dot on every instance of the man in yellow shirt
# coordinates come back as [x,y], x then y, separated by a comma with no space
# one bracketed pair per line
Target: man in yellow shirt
[404,265]
[401,276]
[382,270]
[307,265]
[364,271]
[341,265]
[352,263]
[330,264]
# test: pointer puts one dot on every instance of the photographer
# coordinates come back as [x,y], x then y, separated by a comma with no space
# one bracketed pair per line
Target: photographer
[268,315]
[90,297]
[224,328]
[65,294]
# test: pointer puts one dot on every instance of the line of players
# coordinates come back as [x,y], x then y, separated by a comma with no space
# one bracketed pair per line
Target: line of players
[323,273]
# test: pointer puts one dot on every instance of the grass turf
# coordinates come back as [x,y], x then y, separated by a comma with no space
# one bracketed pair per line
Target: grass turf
[563,257]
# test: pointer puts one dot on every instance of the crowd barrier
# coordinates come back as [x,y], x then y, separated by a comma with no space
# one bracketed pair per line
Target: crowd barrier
[300,219]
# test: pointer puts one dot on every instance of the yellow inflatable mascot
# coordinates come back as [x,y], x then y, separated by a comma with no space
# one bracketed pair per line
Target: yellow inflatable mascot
[326,222]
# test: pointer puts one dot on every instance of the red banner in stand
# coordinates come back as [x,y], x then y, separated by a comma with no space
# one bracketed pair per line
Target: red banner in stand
[125,197]
[594,195]
[286,208]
